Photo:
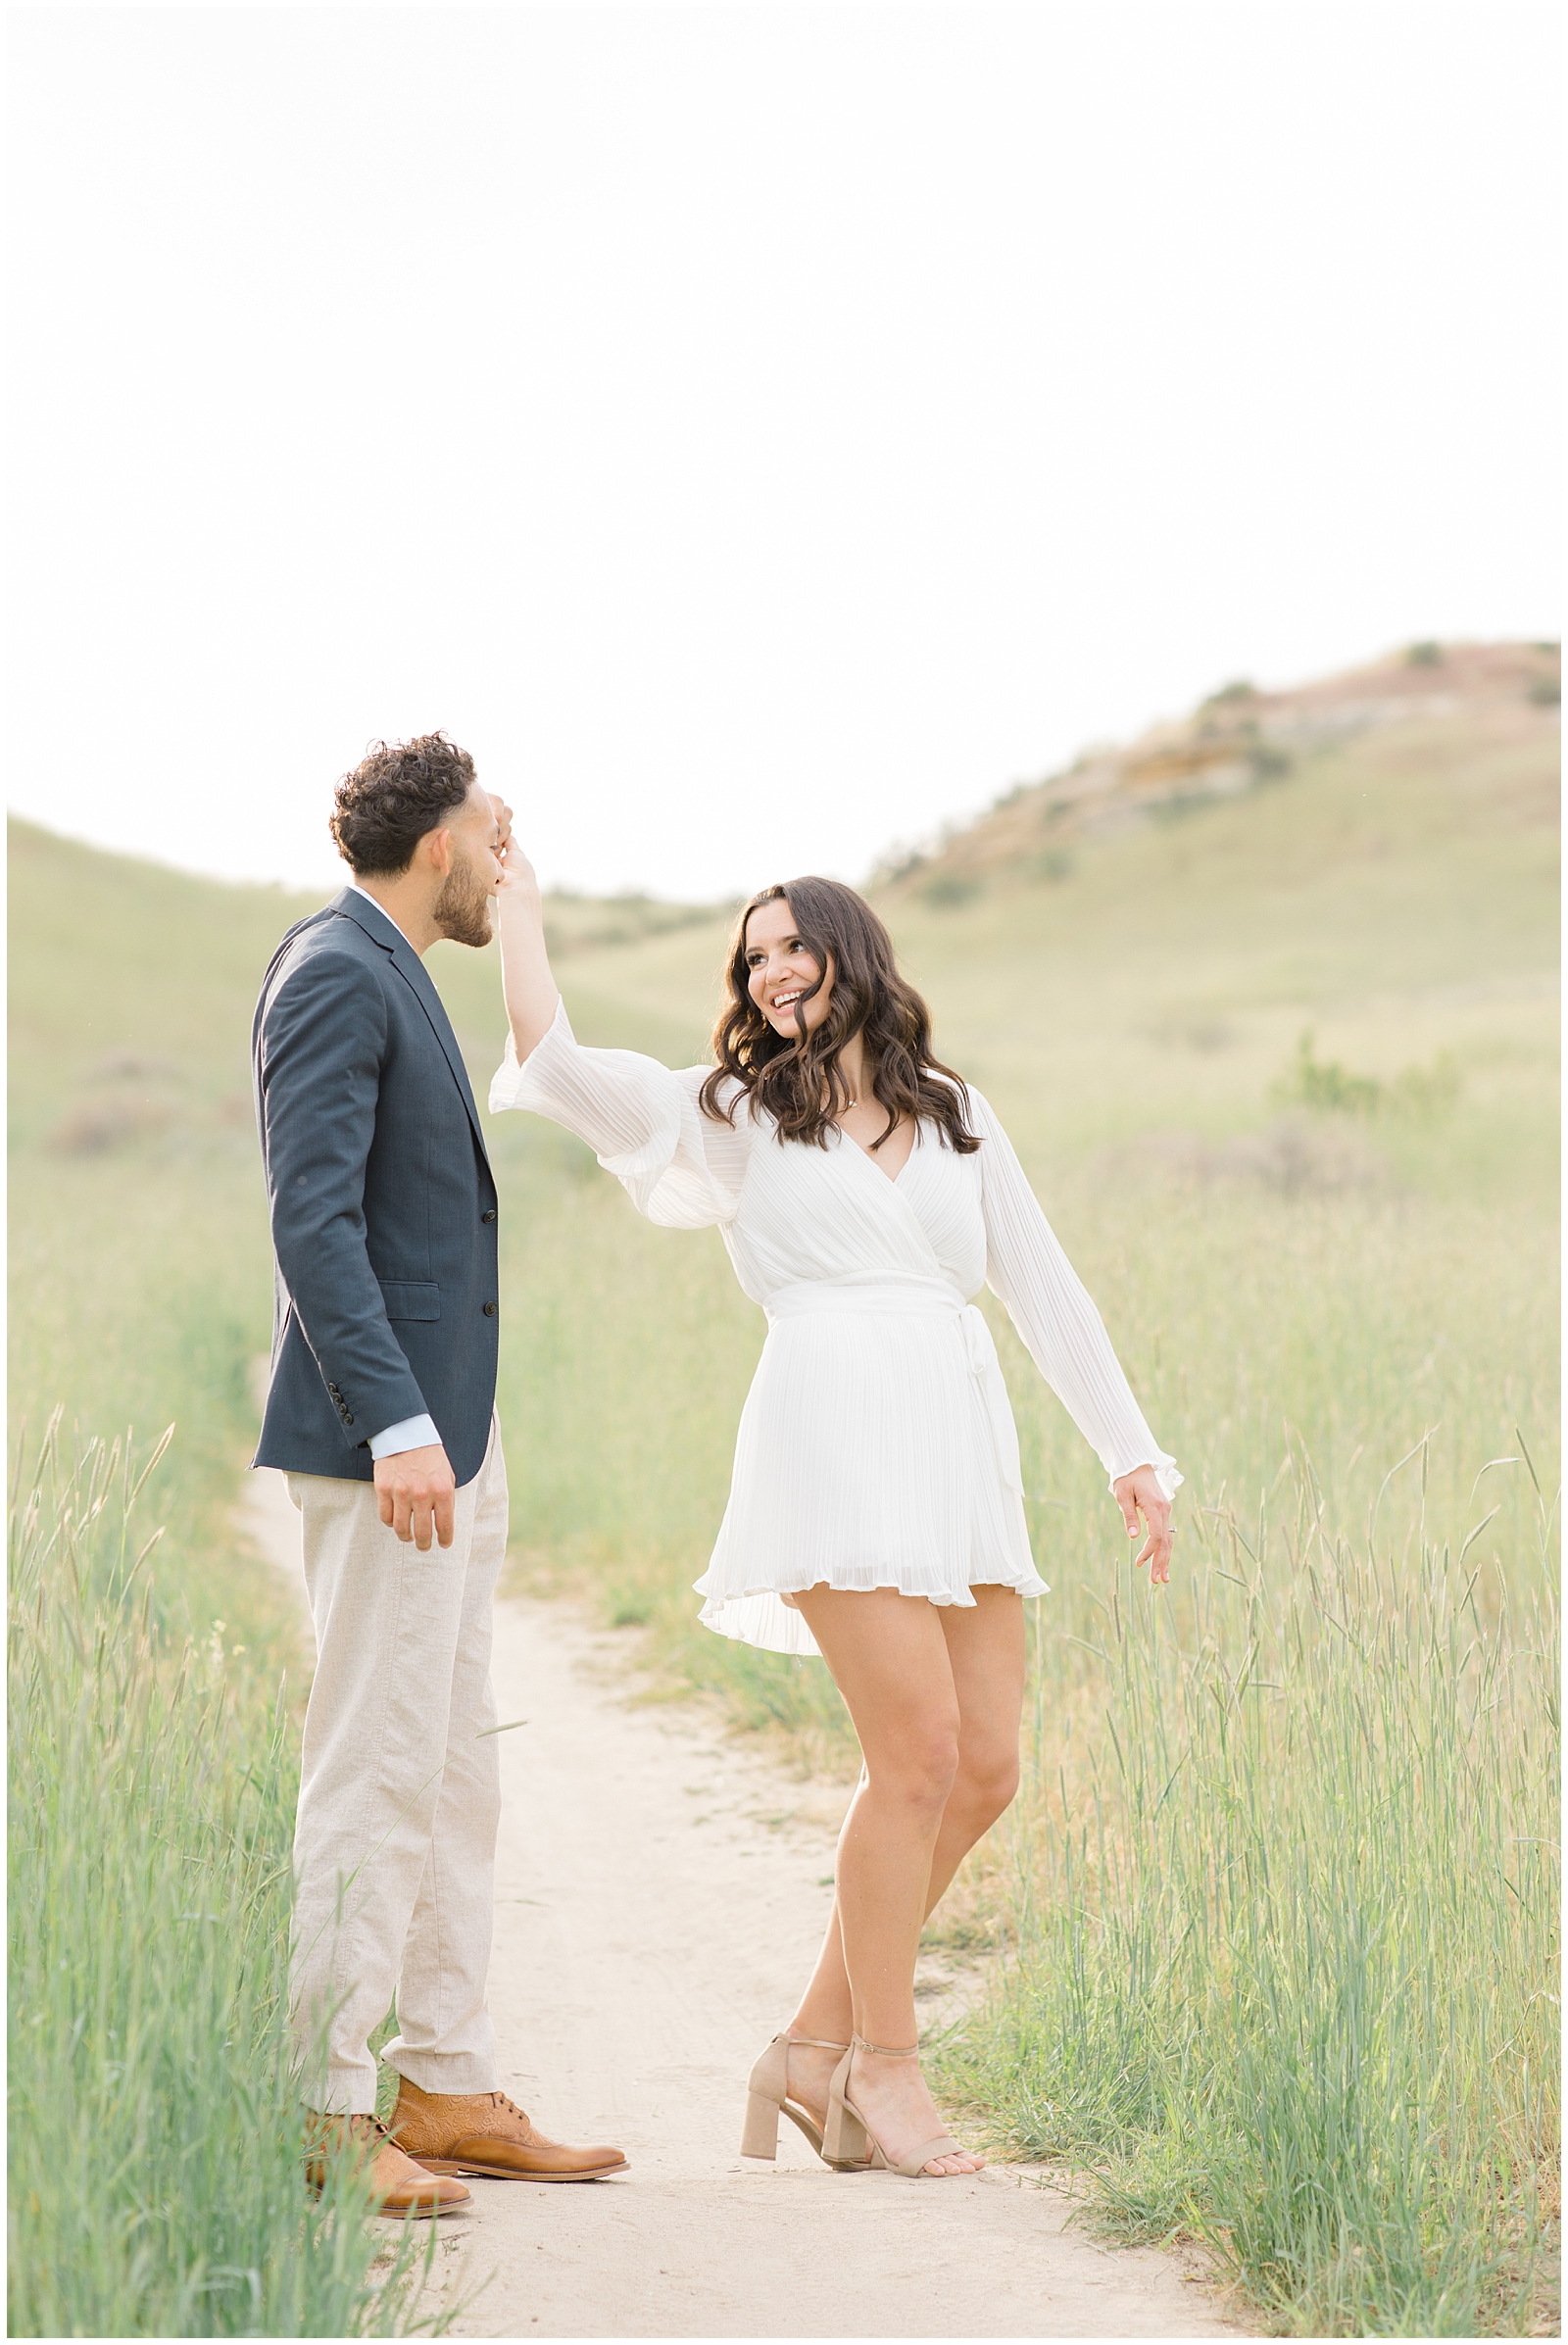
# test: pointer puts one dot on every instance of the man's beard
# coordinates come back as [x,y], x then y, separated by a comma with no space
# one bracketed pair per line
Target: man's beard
[462,910]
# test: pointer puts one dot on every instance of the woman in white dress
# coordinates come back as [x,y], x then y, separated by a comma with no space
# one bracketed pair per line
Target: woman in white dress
[875,1516]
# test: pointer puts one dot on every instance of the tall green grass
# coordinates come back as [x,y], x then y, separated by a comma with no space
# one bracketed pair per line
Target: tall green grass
[1282,1901]
[156,2135]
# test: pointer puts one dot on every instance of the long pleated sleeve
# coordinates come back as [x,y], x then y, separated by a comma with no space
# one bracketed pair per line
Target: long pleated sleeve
[1048,1306]
[679,1168]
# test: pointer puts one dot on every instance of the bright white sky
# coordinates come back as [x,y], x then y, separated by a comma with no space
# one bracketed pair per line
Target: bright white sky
[758,433]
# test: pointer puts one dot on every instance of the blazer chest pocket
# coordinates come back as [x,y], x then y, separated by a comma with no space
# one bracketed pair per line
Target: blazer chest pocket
[410,1299]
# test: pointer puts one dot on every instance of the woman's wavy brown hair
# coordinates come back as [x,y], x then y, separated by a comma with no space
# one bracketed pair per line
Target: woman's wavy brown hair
[801,1083]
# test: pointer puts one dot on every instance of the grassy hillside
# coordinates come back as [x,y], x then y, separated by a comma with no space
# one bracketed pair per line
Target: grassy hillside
[1328,1265]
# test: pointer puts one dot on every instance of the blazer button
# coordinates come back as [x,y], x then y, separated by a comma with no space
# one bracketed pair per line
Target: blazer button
[490,1216]
[347,1419]
[490,1309]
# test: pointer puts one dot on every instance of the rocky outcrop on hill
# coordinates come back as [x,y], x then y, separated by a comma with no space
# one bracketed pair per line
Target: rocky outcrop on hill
[1239,739]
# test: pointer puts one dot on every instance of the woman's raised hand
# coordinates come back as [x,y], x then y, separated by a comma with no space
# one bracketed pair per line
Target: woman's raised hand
[525,978]
[1139,1493]
[513,863]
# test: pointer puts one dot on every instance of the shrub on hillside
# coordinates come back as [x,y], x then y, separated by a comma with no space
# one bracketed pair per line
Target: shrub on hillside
[1332,1089]
[947,890]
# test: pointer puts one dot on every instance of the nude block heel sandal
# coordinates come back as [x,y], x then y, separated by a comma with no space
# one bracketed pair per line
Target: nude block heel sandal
[848,2143]
[767,2098]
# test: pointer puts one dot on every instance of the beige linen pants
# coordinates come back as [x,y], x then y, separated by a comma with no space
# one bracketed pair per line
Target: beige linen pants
[400,1795]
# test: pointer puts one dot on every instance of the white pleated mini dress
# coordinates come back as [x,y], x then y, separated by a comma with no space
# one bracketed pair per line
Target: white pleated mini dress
[876,1446]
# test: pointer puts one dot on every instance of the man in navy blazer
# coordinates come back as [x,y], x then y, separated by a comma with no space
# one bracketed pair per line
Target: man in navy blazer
[380,1410]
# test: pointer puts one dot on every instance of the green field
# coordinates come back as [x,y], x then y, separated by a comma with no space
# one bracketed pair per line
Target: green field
[1277,1909]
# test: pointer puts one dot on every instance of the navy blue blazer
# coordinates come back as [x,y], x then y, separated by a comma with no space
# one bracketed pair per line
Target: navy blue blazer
[384,1206]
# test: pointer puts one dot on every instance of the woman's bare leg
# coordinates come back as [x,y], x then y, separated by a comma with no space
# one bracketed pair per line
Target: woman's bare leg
[934,1694]
[988,1654]
[985,1650]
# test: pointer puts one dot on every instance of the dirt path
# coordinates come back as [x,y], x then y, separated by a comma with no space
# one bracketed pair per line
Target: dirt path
[661,1894]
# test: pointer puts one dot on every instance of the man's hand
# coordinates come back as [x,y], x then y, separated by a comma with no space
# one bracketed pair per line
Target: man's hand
[414,1495]
[1139,1493]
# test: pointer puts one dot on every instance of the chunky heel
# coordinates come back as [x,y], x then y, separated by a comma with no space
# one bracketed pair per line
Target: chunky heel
[760,2138]
[767,2098]
[845,2143]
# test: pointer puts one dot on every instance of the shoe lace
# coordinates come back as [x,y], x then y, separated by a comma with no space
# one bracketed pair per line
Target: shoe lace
[363,2128]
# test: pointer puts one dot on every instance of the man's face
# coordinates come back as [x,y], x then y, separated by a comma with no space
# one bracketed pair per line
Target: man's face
[462,909]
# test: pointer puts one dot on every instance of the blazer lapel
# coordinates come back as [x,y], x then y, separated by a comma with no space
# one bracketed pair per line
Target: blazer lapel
[410,968]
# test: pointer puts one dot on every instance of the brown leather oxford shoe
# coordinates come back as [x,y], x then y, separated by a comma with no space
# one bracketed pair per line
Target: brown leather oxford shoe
[485,2133]
[401,2187]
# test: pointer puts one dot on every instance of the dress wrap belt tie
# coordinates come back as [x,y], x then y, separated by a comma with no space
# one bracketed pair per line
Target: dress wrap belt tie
[911,1297]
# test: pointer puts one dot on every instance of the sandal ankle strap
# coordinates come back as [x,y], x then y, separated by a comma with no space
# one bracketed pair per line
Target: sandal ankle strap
[888,2051]
[817,2043]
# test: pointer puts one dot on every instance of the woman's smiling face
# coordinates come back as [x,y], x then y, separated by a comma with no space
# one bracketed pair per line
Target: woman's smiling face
[781,968]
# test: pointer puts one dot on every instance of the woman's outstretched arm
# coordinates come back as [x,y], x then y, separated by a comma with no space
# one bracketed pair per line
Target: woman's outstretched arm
[531,993]
[1045,1301]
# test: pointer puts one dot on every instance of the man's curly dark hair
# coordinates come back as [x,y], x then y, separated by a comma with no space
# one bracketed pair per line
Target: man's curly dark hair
[397,791]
